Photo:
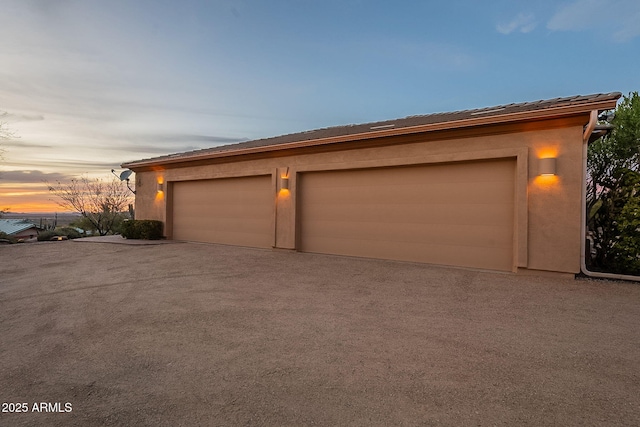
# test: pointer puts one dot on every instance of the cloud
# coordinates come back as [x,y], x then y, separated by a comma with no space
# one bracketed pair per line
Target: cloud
[144,145]
[619,19]
[15,118]
[22,144]
[523,23]
[577,16]
[32,176]
[75,167]
[177,138]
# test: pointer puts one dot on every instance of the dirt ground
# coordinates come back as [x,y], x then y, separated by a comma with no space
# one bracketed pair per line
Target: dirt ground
[191,334]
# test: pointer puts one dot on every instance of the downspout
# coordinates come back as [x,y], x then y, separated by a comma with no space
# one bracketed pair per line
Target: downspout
[593,120]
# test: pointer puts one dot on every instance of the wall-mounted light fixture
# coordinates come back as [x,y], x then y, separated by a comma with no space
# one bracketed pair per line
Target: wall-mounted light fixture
[160,187]
[284,180]
[547,166]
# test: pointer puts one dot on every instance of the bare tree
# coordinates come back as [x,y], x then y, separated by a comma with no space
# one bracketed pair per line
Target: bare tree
[102,203]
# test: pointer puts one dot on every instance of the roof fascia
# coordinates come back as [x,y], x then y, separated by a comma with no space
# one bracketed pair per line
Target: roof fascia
[546,113]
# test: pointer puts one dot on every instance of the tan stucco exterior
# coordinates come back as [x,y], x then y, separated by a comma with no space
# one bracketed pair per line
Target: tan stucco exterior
[546,217]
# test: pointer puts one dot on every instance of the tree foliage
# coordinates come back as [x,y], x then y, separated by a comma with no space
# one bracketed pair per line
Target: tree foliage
[84,224]
[102,203]
[613,193]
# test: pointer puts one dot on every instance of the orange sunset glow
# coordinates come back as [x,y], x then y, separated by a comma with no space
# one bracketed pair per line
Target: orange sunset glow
[27,198]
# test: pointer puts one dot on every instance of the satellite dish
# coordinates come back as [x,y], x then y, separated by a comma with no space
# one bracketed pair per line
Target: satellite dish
[125,175]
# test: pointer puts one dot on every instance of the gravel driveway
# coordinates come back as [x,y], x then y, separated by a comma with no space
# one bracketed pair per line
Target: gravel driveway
[194,334]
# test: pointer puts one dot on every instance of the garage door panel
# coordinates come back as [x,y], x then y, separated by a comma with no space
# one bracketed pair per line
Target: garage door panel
[467,256]
[235,211]
[238,238]
[238,225]
[454,214]
[434,174]
[450,193]
[460,235]
[417,213]
[231,212]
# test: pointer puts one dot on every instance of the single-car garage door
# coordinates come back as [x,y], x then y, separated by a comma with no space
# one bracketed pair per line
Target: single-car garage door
[235,211]
[452,214]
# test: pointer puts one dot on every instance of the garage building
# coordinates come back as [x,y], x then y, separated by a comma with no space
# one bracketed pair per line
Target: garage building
[498,188]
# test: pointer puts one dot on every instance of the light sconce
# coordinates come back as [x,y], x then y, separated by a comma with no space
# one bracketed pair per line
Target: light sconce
[284,183]
[547,166]
[160,187]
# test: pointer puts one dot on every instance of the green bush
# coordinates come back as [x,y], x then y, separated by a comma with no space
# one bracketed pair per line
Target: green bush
[146,229]
[127,229]
[70,232]
[5,236]
[46,235]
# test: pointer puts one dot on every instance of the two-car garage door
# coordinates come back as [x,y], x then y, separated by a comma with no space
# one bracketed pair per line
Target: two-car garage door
[453,214]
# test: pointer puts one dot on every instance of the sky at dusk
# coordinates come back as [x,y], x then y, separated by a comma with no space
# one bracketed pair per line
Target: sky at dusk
[87,85]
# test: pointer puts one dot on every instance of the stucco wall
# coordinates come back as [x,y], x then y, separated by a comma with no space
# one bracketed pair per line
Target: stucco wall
[547,227]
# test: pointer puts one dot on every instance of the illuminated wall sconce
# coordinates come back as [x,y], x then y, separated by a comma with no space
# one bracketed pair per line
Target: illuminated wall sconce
[160,187]
[284,183]
[547,166]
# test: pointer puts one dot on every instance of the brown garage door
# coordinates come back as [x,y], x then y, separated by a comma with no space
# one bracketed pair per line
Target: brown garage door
[453,214]
[235,211]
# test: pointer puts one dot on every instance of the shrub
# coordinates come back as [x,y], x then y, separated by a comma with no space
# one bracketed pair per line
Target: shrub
[146,229]
[613,196]
[70,232]
[46,235]
[127,229]
[4,236]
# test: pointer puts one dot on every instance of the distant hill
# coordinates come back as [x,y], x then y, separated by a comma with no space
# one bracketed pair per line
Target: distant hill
[63,218]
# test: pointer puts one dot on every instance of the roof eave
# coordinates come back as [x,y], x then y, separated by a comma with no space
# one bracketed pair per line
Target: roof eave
[546,113]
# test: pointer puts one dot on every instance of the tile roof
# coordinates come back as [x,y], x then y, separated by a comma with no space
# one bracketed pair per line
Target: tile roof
[14,226]
[464,117]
